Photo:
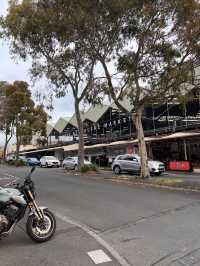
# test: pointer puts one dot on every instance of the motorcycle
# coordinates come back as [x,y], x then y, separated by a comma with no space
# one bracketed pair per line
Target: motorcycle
[14,203]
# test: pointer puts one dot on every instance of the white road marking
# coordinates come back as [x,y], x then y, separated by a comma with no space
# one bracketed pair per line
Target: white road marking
[99,256]
[122,261]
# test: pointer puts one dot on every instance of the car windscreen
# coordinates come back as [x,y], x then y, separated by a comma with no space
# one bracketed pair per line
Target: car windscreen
[51,158]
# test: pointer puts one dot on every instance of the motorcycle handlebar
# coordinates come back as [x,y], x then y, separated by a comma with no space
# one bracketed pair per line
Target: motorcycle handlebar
[30,173]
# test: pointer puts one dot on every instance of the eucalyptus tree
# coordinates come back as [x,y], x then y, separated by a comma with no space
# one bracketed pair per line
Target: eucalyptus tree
[153,50]
[50,33]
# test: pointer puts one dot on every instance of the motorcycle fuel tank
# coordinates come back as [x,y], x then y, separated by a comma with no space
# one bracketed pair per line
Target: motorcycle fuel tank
[11,193]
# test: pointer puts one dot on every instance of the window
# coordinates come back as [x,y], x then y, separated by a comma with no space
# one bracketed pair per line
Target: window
[135,159]
[125,157]
[68,158]
[129,158]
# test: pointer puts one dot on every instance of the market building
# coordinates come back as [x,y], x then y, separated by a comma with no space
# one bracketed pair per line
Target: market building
[172,130]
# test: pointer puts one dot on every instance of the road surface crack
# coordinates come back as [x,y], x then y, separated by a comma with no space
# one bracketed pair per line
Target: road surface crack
[150,217]
[163,258]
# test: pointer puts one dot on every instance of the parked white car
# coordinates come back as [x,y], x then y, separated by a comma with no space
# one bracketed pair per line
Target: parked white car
[132,163]
[72,163]
[49,161]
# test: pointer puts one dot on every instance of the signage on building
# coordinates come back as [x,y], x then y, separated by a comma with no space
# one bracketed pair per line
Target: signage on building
[130,149]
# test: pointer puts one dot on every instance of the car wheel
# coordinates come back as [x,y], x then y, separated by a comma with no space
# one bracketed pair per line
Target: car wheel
[117,170]
[157,174]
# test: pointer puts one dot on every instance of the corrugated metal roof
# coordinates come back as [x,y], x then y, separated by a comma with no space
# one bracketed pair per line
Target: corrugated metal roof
[61,124]
[41,150]
[73,120]
[96,112]
[126,103]
[49,129]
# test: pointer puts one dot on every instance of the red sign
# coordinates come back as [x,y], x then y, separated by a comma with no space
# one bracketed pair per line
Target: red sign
[130,149]
[180,165]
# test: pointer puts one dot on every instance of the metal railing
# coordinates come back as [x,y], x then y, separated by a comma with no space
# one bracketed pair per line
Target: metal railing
[92,140]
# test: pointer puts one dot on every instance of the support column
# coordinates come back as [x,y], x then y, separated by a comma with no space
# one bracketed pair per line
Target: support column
[150,152]
[154,127]
[185,149]
[120,130]
[168,116]
[130,120]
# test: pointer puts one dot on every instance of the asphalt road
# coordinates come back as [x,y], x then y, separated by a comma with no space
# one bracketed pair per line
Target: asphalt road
[145,226]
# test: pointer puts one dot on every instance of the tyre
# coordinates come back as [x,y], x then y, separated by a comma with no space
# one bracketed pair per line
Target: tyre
[157,174]
[41,231]
[117,170]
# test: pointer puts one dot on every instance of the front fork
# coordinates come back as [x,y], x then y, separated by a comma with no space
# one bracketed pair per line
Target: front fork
[34,207]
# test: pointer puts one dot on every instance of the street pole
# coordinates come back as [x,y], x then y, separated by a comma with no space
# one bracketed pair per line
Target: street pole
[168,116]
[185,149]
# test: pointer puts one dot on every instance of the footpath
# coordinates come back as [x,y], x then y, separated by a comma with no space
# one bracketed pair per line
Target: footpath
[170,180]
[71,246]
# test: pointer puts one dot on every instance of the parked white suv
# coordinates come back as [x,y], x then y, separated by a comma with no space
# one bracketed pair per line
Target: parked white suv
[132,163]
[49,161]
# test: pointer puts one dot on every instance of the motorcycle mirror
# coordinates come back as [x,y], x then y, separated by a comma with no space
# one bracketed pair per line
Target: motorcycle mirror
[32,169]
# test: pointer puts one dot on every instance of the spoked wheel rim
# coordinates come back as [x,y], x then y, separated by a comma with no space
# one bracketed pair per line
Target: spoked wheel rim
[42,228]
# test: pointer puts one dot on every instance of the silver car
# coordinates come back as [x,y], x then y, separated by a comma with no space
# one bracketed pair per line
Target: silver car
[71,163]
[132,163]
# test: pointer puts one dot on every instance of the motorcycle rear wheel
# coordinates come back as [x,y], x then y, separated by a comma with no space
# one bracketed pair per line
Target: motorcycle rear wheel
[41,231]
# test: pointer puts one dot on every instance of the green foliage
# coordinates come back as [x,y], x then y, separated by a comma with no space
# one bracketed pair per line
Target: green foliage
[20,163]
[88,167]
[20,115]
[93,167]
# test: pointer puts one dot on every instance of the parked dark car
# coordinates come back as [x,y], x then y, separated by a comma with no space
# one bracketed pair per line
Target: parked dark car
[33,162]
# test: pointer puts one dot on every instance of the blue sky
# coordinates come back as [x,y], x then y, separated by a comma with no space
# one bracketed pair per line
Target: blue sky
[12,69]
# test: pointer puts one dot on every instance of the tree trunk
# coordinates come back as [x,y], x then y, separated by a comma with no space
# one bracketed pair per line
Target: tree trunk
[5,147]
[81,154]
[6,142]
[141,143]
[18,138]
[17,150]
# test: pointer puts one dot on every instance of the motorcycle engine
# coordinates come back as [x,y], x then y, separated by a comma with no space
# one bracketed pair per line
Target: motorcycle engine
[4,223]
[7,217]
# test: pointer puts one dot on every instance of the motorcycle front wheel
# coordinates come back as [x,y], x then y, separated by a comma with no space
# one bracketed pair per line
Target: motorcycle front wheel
[41,230]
